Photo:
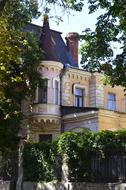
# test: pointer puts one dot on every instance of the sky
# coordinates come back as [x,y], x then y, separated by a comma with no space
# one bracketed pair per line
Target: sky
[75,22]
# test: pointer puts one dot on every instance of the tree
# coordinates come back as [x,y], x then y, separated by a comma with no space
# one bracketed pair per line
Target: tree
[20,56]
[2,5]
[99,46]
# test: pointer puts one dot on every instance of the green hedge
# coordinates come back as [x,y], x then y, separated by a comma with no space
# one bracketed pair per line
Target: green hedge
[77,149]
[39,162]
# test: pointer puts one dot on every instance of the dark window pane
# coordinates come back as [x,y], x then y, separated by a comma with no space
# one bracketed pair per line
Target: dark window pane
[45,137]
[42,93]
[56,92]
[79,97]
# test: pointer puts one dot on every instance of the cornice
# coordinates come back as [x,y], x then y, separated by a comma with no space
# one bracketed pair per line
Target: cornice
[52,64]
[80,116]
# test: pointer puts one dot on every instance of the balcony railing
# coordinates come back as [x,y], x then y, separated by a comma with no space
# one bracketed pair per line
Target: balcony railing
[46,109]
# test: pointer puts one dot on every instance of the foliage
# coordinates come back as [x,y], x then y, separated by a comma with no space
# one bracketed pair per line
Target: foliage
[76,149]
[99,46]
[79,148]
[43,162]
[19,58]
[49,5]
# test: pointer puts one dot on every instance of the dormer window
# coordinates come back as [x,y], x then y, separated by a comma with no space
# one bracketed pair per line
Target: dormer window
[42,92]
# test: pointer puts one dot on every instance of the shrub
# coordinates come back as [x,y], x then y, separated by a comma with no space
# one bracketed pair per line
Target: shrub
[39,162]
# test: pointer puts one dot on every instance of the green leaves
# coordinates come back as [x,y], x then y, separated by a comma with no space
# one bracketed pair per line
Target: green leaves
[78,150]
[98,48]
[20,56]
[43,162]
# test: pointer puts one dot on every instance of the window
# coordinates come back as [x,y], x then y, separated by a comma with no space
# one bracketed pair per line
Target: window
[79,97]
[56,92]
[111,101]
[45,137]
[42,93]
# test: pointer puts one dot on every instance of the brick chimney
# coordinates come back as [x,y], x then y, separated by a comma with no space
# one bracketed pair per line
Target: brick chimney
[72,44]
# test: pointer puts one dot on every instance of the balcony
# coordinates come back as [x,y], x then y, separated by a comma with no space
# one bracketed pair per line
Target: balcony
[46,109]
[46,113]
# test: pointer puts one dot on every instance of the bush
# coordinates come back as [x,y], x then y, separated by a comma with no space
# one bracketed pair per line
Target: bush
[79,149]
[39,162]
[76,149]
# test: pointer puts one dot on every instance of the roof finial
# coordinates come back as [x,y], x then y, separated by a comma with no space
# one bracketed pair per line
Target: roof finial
[46,17]
[46,11]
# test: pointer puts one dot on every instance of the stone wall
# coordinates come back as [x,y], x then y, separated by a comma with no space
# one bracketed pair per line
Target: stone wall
[73,186]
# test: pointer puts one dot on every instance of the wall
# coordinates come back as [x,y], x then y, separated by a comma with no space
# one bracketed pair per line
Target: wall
[120,97]
[73,186]
[73,77]
[96,91]
[102,94]
[77,122]
[45,118]
[111,120]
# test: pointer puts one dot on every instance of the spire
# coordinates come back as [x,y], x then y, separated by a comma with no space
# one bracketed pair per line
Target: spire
[46,42]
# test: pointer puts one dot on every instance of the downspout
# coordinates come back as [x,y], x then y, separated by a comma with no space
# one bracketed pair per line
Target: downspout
[61,83]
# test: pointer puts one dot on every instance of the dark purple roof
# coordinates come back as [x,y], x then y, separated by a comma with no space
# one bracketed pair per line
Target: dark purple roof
[52,44]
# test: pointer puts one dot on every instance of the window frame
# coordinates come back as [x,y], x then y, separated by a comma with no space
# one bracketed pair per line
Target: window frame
[56,94]
[111,101]
[43,93]
[49,137]
[79,98]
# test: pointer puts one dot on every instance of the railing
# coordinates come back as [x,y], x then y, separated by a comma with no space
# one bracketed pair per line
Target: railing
[111,169]
[46,109]
[71,109]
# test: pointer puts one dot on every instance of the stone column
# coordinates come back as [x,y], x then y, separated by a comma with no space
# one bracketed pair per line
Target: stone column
[20,166]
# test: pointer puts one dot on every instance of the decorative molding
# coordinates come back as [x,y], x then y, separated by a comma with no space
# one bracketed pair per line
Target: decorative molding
[51,64]
[80,116]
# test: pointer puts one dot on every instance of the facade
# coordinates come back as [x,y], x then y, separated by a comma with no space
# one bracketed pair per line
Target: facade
[70,98]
